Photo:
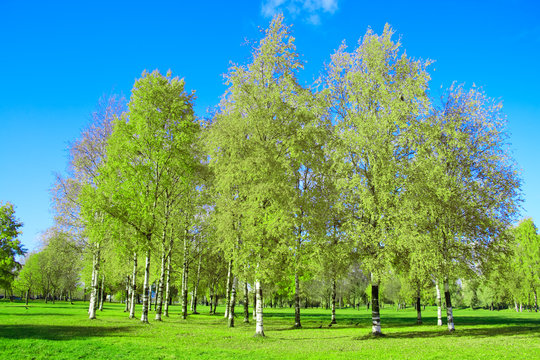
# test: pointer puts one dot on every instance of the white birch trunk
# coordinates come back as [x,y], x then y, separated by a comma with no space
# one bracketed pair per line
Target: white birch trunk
[439,305]
[259,329]
[159,295]
[233,301]
[375,312]
[146,300]
[195,290]
[449,313]
[185,278]
[168,287]
[228,290]
[133,287]
[94,292]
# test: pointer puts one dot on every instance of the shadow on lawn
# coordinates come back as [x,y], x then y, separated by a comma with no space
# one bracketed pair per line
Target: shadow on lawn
[56,332]
[482,332]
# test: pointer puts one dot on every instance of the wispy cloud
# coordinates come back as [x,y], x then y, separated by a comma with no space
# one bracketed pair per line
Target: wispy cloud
[309,10]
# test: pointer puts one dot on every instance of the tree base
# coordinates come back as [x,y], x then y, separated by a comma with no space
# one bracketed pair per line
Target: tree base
[259,335]
[297,326]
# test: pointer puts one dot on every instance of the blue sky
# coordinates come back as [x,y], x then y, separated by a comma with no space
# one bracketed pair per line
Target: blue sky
[58,58]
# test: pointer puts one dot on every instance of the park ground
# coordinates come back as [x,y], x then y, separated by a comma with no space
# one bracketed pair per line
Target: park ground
[63,331]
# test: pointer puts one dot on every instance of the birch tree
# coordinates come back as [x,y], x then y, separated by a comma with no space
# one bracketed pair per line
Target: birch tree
[148,145]
[251,146]
[377,95]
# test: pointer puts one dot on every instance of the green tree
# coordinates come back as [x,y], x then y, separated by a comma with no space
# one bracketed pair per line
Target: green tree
[377,96]
[527,256]
[150,149]
[254,144]
[10,245]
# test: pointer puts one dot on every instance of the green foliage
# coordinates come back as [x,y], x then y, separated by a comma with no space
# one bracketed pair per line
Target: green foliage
[10,245]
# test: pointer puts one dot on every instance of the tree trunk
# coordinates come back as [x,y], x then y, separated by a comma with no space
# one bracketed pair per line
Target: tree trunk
[146,300]
[216,298]
[449,314]
[439,306]
[255,305]
[168,286]
[246,303]
[297,302]
[126,308]
[26,297]
[333,302]
[94,291]
[259,329]
[133,287]
[233,301]
[195,290]
[101,292]
[375,312]
[418,311]
[211,290]
[185,278]
[516,306]
[159,295]
[228,290]
[535,300]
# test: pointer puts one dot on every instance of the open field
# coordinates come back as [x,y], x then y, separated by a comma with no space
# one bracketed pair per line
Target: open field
[62,331]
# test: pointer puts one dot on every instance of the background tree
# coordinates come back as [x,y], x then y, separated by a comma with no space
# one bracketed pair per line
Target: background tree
[10,245]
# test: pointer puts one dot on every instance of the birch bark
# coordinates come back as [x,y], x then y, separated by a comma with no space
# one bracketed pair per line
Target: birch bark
[233,301]
[449,313]
[439,305]
[259,328]
[133,287]
[146,300]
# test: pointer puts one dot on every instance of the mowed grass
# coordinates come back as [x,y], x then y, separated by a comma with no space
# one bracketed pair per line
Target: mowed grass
[63,331]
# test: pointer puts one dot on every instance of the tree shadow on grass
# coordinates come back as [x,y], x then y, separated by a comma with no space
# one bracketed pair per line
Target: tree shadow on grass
[477,332]
[56,332]
[35,314]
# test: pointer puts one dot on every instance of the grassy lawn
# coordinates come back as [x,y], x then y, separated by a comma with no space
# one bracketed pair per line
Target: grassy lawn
[62,331]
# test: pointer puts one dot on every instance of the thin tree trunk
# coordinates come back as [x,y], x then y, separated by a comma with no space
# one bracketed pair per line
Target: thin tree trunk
[159,295]
[168,286]
[297,301]
[216,298]
[228,290]
[126,308]
[449,314]
[375,312]
[195,290]
[418,311]
[185,278]
[146,300]
[101,292]
[255,305]
[516,306]
[133,287]
[94,291]
[27,293]
[246,303]
[333,302]
[535,300]
[439,306]
[259,329]
[211,290]
[233,301]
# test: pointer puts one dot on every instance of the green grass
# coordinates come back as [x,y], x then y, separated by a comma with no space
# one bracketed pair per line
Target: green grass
[62,331]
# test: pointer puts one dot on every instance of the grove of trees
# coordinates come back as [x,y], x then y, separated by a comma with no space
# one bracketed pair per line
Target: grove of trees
[360,189]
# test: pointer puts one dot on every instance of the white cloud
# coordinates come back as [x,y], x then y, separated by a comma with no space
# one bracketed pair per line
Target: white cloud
[309,10]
